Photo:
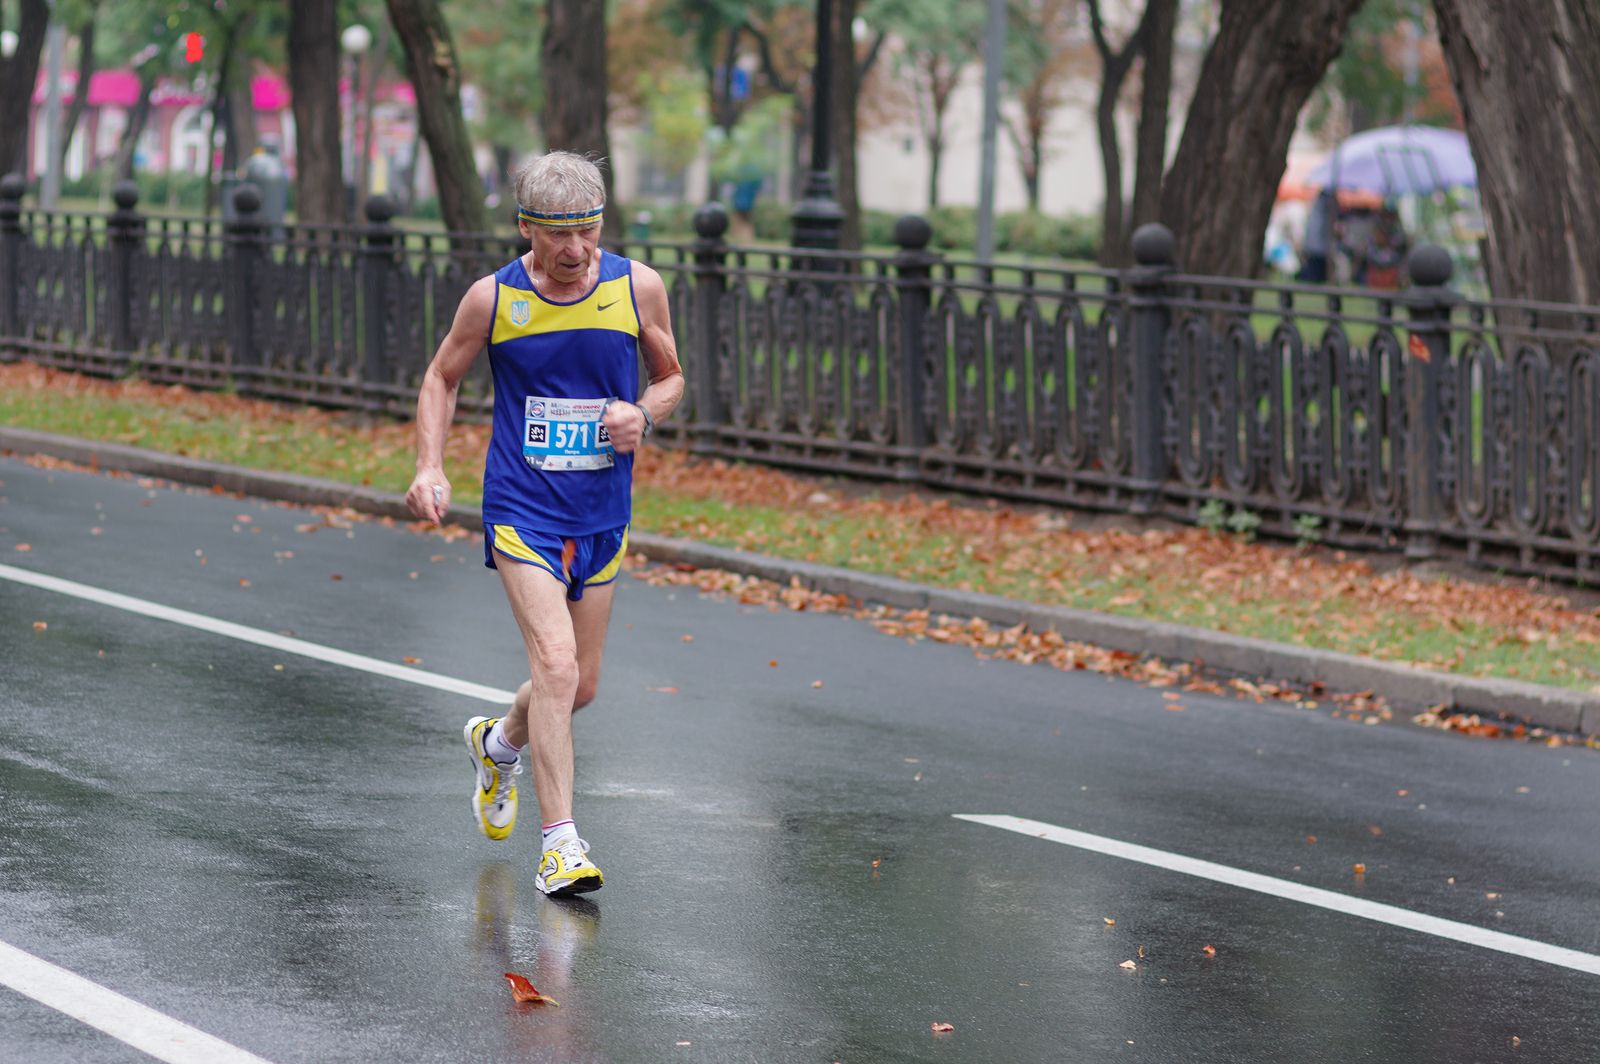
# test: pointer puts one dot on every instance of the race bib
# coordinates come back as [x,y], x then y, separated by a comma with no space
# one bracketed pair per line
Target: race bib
[561,435]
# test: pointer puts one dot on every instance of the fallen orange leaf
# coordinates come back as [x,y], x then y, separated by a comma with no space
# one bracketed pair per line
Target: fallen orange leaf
[524,991]
[665,690]
[1311,840]
[24,547]
[39,626]
[816,683]
[1109,922]
[876,861]
[411,660]
[1359,869]
[773,663]
[1129,965]
[1209,950]
[943,1028]
[243,582]
[336,577]
[688,639]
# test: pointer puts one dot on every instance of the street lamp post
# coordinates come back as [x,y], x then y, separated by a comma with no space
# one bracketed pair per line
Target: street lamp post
[818,217]
[355,40]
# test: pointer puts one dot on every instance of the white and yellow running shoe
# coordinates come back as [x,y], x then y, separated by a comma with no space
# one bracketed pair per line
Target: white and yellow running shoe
[494,798]
[565,868]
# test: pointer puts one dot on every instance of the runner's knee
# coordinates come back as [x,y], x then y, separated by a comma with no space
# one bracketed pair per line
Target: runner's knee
[588,687]
[558,671]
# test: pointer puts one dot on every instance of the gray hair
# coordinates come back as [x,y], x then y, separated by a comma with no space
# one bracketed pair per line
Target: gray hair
[560,181]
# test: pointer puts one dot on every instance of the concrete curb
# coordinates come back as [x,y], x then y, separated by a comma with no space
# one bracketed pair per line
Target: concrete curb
[1404,686]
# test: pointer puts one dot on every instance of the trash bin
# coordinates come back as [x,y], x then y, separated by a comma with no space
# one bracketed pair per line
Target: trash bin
[265,171]
[639,228]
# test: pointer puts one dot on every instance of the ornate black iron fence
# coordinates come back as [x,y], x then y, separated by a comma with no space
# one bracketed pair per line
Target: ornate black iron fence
[1413,420]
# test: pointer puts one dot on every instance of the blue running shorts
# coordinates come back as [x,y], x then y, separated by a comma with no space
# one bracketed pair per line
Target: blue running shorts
[596,559]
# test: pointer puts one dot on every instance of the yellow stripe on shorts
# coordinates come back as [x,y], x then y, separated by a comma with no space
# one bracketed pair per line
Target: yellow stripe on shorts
[507,542]
[615,564]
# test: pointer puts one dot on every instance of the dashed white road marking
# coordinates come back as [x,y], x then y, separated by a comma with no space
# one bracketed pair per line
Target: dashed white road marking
[122,1018]
[1283,888]
[258,636]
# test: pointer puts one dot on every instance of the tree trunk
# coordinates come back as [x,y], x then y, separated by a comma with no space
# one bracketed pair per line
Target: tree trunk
[222,115]
[314,87]
[80,97]
[574,116]
[1528,78]
[372,68]
[17,78]
[137,118]
[1161,18]
[436,78]
[1267,58]
[1112,243]
[242,110]
[1114,68]
[943,76]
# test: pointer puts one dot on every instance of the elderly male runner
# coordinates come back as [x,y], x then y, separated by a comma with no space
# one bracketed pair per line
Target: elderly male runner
[565,325]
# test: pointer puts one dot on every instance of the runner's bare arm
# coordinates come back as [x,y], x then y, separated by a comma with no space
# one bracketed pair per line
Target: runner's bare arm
[625,422]
[429,495]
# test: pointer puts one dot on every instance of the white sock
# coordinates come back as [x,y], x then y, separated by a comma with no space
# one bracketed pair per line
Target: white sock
[495,745]
[561,829]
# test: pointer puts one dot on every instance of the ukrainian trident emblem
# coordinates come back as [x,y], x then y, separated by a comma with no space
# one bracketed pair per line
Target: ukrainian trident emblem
[519,312]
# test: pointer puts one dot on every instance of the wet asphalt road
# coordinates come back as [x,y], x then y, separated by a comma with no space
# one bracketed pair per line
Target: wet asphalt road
[286,860]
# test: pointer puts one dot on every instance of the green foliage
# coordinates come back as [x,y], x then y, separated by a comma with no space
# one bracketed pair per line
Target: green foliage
[1243,523]
[1028,233]
[1213,515]
[1214,518]
[954,228]
[158,191]
[749,152]
[1307,530]
[498,47]
[1038,235]
[1368,74]
[676,109]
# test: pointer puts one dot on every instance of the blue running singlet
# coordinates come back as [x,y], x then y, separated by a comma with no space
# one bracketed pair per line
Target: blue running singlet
[551,466]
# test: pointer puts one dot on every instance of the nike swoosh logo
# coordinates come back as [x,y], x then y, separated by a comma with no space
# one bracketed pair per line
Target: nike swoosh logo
[603,306]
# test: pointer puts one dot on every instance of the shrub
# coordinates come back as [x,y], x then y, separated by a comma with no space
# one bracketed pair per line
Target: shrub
[954,229]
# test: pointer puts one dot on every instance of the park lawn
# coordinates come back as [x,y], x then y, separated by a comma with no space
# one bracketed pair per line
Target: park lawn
[1308,597]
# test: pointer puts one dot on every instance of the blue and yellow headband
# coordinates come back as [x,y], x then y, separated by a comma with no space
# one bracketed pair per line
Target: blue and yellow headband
[563,219]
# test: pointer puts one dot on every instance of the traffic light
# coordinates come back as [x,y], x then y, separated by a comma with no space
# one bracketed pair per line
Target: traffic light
[194,47]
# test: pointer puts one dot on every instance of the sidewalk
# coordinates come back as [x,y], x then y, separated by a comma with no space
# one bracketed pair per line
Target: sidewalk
[1403,686]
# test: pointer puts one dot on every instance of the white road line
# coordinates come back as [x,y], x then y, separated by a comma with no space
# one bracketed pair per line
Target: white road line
[122,1018]
[257,636]
[1282,888]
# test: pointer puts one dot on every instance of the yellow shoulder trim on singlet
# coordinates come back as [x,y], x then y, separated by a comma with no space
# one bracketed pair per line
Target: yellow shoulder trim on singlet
[522,313]
[507,542]
[615,564]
